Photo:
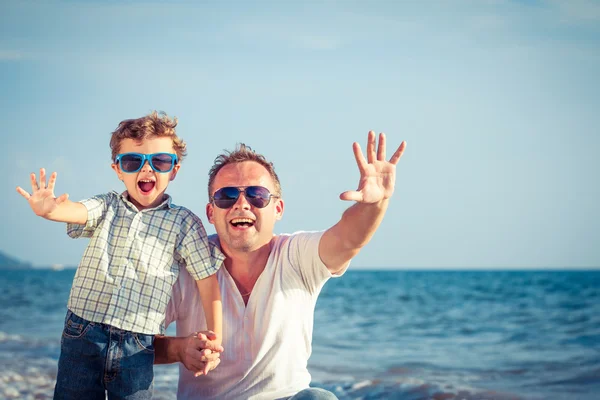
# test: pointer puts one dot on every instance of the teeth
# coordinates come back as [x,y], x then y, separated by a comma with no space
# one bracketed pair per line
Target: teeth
[241,221]
[146,180]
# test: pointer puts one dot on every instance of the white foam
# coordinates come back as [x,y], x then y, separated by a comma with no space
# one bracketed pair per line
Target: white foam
[5,337]
[34,379]
[360,385]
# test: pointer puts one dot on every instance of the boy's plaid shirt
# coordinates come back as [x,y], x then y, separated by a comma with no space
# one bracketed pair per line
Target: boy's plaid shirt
[128,269]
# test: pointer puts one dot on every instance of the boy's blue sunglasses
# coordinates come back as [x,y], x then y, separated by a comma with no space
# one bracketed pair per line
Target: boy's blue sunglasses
[133,162]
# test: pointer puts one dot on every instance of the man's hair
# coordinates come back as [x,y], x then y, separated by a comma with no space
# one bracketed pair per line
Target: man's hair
[242,153]
[152,125]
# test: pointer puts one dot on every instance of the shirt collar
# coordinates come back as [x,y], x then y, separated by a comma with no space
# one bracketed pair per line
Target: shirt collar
[166,203]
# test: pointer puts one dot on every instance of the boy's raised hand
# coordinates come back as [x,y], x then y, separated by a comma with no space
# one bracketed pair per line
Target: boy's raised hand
[42,200]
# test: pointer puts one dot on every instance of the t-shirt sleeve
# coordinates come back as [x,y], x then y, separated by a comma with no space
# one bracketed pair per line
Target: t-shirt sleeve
[303,256]
[193,249]
[96,211]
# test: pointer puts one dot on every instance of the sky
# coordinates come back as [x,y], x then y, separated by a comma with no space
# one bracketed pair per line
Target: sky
[497,100]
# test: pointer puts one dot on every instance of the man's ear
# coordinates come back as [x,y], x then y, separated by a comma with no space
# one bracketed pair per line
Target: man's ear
[209,213]
[116,168]
[174,171]
[279,209]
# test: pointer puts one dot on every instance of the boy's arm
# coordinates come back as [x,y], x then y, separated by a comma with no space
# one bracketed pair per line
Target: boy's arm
[44,204]
[211,302]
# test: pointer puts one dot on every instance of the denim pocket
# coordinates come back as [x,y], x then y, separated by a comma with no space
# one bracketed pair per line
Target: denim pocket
[75,326]
[144,342]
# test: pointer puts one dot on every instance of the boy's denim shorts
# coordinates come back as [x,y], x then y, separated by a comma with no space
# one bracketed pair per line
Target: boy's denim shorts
[96,359]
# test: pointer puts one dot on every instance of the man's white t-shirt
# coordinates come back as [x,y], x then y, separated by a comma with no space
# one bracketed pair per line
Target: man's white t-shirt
[268,341]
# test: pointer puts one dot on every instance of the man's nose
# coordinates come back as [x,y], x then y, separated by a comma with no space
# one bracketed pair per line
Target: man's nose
[242,202]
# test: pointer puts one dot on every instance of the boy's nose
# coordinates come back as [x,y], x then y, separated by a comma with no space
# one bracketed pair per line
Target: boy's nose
[146,167]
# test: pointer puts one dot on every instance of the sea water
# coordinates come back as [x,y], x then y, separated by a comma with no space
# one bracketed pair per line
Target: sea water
[378,335]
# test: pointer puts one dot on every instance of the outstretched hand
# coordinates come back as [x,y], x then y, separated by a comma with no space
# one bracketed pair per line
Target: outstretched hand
[377,176]
[42,200]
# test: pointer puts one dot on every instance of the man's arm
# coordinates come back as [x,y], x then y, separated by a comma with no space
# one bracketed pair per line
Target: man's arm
[44,204]
[197,352]
[340,243]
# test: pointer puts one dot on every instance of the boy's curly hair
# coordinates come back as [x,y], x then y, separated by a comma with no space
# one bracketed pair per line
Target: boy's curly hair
[153,124]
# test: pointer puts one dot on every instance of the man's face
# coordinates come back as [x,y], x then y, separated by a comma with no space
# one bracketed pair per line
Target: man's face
[146,186]
[244,227]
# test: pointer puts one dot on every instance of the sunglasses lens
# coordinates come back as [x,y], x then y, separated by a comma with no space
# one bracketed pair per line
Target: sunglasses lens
[162,162]
[131,162]
[258,196]
[226,197]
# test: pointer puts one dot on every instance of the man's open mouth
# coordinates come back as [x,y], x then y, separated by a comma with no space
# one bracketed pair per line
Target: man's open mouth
[242,222]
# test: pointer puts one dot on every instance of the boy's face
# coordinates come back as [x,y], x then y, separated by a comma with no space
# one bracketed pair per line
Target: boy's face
[146,186]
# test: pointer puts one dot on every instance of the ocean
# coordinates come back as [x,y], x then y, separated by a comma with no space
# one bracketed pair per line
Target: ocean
[378,335]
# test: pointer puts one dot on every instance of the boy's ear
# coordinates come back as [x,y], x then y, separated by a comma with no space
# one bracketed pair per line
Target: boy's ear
[174,171]
[116,168]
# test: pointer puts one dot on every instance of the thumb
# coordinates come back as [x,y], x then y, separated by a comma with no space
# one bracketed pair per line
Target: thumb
[351,195]
[207,335]
[62,198]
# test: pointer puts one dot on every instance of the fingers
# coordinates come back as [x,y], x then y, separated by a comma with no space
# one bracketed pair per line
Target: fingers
[207,335]
[398,154]
[358,155]
[23,193]
[381,147]
[207,341]
[209,367]
[42,184]
[381,150]
[371,147]
[190,358]
[209,361]
[206,369]
[371,155]
[52,181]
[42,178]
[194,359]
[34,184]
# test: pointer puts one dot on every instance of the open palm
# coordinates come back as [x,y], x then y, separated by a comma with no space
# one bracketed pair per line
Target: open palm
[42,200]
[377,176]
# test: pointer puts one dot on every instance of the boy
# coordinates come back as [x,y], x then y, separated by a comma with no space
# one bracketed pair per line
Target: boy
[139,240]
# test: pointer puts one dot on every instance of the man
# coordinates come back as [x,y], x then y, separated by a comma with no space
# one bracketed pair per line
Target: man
[269,283]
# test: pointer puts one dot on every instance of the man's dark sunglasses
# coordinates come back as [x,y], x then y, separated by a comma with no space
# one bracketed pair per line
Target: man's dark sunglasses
[257,196]
[133,162]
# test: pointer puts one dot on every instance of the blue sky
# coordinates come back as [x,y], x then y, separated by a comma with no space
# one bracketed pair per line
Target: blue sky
[498,101]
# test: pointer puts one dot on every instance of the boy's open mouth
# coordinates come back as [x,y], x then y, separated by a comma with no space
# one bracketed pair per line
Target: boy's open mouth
[146,185]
